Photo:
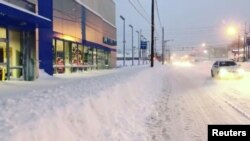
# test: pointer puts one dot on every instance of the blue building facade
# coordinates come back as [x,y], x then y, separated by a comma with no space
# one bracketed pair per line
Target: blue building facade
[19,21]
[58,36]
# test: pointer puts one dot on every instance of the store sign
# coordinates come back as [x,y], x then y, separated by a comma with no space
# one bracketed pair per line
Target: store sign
[109,41]
[143,44]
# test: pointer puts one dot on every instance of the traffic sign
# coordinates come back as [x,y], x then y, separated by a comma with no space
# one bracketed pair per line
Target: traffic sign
[143,44]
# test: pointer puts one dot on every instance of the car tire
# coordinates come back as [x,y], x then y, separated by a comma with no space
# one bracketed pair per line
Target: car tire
[212,74]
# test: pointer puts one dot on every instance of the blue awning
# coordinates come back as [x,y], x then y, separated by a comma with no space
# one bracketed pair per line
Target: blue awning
[11,15]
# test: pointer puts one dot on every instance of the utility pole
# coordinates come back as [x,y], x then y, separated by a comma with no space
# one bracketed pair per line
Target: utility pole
[148,50]
[248,49]
[132,44]
[168,49]
[124,40]
[152,34]
[245,39]
[163,47]
[155,47]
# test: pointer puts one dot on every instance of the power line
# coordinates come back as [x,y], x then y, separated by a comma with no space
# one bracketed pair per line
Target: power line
[193,28]
[145,18]
[143,8]
[158,13]
[140,13]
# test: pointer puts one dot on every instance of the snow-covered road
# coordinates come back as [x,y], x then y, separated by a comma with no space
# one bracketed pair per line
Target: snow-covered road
[168,102]
[193,100]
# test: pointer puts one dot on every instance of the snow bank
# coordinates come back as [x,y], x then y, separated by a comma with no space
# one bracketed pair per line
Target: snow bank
[106,108]
[43,75]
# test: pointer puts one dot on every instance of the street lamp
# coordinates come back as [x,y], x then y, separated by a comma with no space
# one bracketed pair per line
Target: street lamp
[124,41]
[132,44]
[233,31]
[205,51]
[165,45]
[203,45]
[139,48]
[148,50]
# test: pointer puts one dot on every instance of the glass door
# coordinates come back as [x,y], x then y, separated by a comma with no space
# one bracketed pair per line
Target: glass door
[3,59]
[15,55]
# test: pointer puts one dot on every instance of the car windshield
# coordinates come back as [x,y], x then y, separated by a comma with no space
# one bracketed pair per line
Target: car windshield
[227,63]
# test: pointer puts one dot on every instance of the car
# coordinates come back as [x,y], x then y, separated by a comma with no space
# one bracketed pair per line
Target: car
[226,69]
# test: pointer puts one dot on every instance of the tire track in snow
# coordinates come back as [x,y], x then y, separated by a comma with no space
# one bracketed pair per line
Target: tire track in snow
[158,120]
[238,110]
[234,100]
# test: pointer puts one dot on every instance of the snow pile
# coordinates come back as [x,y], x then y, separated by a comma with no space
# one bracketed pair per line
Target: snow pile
[246,65]
[43,75]
[128,63]
[111,107]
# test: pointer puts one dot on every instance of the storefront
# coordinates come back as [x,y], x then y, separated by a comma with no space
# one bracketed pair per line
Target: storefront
[17,54]
[79,33]
[58,36]
[18,49]
[70,57]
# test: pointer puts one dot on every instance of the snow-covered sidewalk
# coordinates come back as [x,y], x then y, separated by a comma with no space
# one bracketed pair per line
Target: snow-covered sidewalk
[110,106]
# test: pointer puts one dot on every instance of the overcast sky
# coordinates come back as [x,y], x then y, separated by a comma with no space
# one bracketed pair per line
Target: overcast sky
[187,22]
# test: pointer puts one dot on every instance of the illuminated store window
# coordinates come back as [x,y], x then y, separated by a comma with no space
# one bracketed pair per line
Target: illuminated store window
[67,48]
[74,59]
[85,51]
[94,58]
[59,57]
[80,54]
[100,58]
[54,51]
[107,59]
[90,56]
[80,57]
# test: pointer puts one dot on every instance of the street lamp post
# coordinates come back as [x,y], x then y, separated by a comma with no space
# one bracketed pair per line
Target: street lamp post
[238,59]
[139,46]
[206,50]
[165,45]
[148,51]
[233,31]
[124,40]
[132,44]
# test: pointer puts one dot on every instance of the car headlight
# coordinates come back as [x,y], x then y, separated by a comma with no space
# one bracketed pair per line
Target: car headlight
[241,71]
[223,72]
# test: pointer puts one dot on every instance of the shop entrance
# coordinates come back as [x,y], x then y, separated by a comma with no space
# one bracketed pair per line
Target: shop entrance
[3,61]
[17,55]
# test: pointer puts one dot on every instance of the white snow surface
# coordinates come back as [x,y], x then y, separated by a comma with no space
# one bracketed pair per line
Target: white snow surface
[164,103]
[109,106]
